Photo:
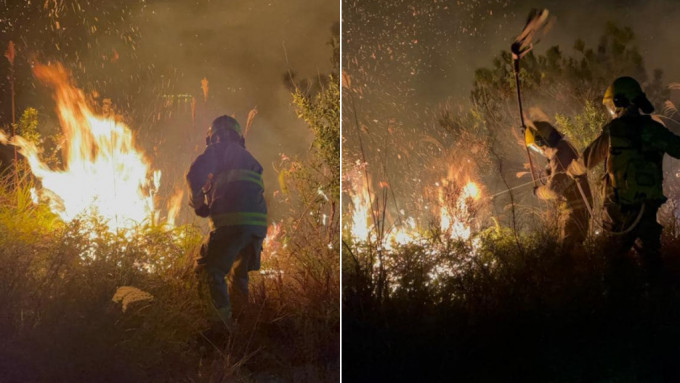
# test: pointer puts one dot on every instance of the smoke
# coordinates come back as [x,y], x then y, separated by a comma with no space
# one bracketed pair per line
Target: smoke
[652,21]
[454,38]
[413,57]
[149,57]
[244,49]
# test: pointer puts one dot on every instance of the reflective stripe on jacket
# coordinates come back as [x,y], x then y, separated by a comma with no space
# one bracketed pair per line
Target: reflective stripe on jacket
[228,179]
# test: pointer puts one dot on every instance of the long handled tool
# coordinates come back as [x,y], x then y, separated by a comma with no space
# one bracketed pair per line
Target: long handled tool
[513,188]
[536,26]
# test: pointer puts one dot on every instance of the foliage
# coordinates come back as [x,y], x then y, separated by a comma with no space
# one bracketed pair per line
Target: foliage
[580,126]
[28,125]
[563,84]
[525,310]
[509,304]
[58,280]
[322,113]
[318,104]
[308,244]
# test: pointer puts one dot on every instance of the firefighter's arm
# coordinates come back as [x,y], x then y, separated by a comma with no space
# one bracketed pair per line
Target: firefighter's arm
[596,152]
[576,168]
[198,175]
[663,139]
[544,193]
[555,187]
[568,160]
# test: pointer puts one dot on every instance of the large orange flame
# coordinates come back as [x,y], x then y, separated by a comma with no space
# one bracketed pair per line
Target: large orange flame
[454,208]
[103,173]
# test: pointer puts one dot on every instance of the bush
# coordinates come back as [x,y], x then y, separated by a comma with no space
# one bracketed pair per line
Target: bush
[59,322]
[509,310]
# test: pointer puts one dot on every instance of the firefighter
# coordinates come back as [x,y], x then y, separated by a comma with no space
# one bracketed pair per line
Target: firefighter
[632,146]
[570,191]
[225,185]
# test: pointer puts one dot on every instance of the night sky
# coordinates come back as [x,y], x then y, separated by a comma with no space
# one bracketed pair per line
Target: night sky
[410,59]
[143,53]
[442,42]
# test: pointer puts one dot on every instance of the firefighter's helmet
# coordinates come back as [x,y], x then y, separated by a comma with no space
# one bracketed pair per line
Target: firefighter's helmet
[541,134]
[223,128]
[625,92]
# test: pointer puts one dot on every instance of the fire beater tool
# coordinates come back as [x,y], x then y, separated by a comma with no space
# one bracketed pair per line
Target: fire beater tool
[537,25]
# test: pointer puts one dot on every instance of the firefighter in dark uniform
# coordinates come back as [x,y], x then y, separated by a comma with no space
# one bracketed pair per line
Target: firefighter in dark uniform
[570,191]
[632,147]
[225,185]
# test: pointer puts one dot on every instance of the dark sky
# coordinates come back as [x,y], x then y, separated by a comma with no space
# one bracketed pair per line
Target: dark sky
[444,41]
[244,49]
[652,21]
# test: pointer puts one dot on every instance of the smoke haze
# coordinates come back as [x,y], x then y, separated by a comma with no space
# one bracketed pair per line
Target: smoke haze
[410,57]
[150,57]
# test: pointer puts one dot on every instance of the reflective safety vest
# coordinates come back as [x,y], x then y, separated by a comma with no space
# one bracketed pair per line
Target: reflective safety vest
[228,179]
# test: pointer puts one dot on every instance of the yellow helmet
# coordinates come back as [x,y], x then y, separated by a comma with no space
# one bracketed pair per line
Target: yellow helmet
[624,92]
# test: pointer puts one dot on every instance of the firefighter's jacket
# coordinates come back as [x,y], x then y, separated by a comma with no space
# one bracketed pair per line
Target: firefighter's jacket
[632,147]
[561,185]
[228,179]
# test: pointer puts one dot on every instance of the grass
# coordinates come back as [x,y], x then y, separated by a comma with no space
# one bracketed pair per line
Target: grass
[59,322]
[517,312]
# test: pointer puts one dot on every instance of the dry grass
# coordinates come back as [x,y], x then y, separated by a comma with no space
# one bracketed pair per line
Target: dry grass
[59,322]
[516,313]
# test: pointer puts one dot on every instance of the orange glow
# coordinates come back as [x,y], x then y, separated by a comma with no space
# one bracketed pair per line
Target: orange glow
[104,173]
[454,207]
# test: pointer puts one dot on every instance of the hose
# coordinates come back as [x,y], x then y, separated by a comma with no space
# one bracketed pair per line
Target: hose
[630,228]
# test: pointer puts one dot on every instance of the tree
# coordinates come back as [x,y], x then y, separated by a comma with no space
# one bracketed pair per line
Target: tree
[565,89]
[317,102]
[563,85]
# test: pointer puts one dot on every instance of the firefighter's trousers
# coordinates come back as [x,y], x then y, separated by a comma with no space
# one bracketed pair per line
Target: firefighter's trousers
[229,252]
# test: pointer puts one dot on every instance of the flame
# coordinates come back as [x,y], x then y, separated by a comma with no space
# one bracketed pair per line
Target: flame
[174,206]
[274,243]
[456,222]
[455,208]
[104,173]
[403,234]
[361,226]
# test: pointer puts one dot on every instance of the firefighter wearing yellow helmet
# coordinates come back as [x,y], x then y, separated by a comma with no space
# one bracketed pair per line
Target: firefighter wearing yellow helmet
[632,146]
[225,185]
[570,191]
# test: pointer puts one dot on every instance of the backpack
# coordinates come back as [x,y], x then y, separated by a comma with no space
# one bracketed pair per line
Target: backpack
[634,170]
